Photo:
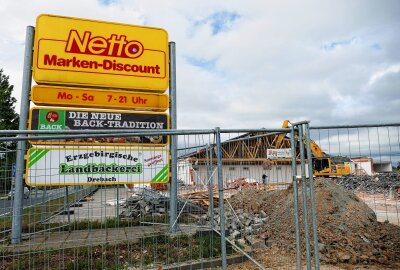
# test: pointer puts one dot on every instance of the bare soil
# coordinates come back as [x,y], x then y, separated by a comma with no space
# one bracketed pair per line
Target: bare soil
[349,234]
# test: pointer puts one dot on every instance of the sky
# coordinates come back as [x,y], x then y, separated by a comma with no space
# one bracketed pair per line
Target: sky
[252,64]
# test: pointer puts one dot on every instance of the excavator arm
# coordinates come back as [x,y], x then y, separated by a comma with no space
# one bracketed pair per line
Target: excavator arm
[282,136]
[316,150]
[322,162]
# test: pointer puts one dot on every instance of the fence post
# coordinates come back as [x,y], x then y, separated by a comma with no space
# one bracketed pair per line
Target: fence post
[43,214]
[117,205]
[304,191]
[210,185]
[23,119]
[174,142]
[221,197]
[312,197]
[66,207]
[295,199]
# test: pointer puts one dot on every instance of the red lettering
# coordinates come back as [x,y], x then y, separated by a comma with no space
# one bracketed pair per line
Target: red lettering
[50,61]
[64,95]
[116,46]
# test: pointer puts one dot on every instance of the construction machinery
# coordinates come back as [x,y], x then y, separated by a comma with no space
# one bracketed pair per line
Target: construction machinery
[326,165]
[323,164]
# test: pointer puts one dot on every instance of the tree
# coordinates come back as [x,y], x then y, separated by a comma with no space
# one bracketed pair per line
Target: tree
[9,119]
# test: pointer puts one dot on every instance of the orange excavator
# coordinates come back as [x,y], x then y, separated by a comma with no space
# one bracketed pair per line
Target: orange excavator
[323,164]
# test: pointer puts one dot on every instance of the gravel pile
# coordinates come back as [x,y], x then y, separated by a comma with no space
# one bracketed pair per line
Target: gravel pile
[150,202]
[242,227]
[382,183]
[348,230]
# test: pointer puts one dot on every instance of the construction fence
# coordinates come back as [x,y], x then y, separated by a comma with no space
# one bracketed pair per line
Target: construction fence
[239,199]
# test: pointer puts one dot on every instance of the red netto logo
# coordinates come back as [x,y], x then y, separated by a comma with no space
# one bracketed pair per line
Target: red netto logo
[52,117]
[115,45]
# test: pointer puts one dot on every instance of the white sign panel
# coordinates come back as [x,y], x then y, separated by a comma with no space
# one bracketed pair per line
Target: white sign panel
[96,166]
[279,153]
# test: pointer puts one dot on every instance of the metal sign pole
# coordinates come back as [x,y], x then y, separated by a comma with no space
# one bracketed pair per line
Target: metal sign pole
[221,197]
[174,141]
[304,192]
[295,199]
[23,119]
[312,197]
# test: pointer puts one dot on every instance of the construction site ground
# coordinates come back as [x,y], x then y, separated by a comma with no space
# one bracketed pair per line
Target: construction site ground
[355,231]
[385,208]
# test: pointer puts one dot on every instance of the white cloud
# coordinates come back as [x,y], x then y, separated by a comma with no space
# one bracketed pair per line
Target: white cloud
[381,73]
[252,64]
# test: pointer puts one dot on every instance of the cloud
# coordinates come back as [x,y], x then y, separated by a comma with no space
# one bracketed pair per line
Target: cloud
[382,73]
[253,64]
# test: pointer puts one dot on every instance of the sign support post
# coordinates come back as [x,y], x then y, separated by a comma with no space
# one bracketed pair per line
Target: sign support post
[23,119]
[174,141]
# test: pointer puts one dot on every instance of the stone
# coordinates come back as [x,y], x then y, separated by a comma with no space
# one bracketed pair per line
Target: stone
[257,221]
[247,222]
[343,257]
[217,219]
[235,234]
[202,222]
[239,211]
[321,247]
[264,220]
[263,214]
[376,252]
[248,230]
[234,226]
[268,243]
[255,242]
[383,260]
[241,242]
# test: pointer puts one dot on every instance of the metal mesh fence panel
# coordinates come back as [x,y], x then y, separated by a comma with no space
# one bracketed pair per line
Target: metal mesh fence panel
[71,221]
[358,210]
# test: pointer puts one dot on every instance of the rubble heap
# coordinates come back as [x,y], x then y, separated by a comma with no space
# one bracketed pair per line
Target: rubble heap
[150,202]
[382,183]
[348,230]
[239,225]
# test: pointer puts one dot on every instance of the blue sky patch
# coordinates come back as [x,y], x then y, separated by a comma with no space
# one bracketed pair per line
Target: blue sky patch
[201,62]
[107,2]
[330,46]
[220,21]
[376,46]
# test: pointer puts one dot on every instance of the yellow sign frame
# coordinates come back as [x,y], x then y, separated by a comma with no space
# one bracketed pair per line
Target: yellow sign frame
[81,52]
[98,98]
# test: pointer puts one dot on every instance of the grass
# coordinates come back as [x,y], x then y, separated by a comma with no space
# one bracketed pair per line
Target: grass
[149,251]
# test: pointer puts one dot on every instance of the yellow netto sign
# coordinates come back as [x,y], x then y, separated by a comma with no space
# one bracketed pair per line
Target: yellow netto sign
[97,98]
[72,51]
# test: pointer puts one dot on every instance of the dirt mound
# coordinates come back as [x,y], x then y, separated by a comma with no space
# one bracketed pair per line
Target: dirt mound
[347,228]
